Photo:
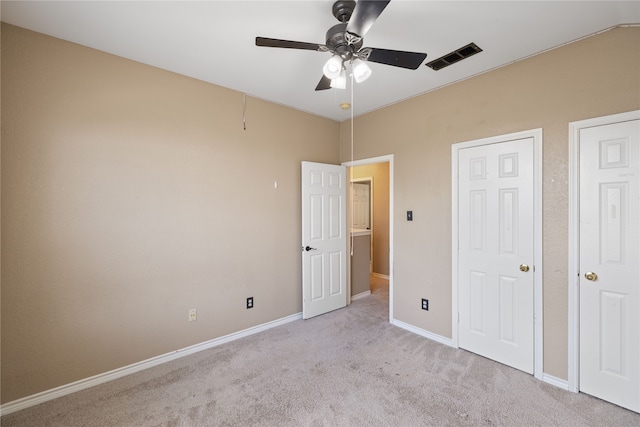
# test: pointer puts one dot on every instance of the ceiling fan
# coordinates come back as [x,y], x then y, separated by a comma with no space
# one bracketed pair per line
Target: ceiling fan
[345,41]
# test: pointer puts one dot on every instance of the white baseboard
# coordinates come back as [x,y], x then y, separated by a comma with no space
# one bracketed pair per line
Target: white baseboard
[382,276]
[423,333]
[66,389]
[558,382]
[361,295]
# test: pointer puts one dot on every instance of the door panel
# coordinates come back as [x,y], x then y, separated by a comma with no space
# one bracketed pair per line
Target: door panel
[324,239]
[610,248]
[508,221]
[508,302]
[495,230]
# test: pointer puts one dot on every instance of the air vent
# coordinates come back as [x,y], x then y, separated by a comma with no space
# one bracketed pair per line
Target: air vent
[453,57]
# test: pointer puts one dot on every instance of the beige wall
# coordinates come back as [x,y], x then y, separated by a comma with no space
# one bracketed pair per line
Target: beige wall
[593,77]
[380,174]
[360,264]
[130,195]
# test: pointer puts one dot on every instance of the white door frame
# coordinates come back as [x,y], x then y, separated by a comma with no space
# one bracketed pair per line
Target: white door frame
[574,237]
[536,134]
[382,159]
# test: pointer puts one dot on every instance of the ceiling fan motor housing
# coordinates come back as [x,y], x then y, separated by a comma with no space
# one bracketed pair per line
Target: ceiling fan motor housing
[338,44]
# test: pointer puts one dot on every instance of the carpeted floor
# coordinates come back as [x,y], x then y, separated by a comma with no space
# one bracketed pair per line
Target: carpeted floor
[346,368]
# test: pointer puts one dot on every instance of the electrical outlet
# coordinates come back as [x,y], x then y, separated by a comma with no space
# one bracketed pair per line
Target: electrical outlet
[425,304]
[249,303]
[193,315]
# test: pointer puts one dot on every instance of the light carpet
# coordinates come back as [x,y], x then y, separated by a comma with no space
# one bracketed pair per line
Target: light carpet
[350,367]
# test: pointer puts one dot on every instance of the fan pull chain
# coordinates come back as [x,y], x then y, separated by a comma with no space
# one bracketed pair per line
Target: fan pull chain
[352,166]
[244,111]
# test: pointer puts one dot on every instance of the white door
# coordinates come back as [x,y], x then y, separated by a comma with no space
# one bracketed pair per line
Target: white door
[495,259]
[610,263]
[361,205]
[324,238]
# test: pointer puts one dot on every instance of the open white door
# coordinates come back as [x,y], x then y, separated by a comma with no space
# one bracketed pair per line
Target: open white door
[496,251]
[324,238]
[610,263]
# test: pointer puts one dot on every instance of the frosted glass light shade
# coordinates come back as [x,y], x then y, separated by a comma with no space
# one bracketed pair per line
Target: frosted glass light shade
[333,67]
[340,82]
[361,70]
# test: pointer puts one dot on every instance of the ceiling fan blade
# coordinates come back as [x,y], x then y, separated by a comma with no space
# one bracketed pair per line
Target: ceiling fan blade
[324,83]
[264,41]
[364,15]
[396,58]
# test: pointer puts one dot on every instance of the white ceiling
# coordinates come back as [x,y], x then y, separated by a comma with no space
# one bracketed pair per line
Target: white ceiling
[214,41]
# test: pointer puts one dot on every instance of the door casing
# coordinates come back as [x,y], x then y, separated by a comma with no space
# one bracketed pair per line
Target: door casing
[574,237]
[536,134]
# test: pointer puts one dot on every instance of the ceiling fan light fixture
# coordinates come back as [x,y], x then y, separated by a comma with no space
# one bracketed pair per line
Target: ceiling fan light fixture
[361,70]
[340,82]
[344,42]
[333,67]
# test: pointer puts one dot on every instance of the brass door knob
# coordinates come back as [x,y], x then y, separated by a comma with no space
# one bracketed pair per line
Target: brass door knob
[524,267]
[590,275]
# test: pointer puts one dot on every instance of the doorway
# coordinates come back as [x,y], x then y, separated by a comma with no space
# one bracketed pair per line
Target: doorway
[604,258]
[380,171]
